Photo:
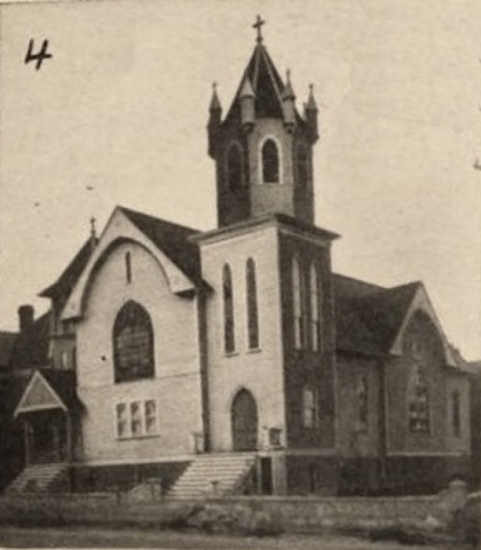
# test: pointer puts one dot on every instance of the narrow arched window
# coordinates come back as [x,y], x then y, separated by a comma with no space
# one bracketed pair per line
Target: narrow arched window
[302,162]
[456,413]
[315,307]
[128,267]
[270,162]
[228,297]
[133,343]
[418,401]
[297,305]
[363,403]
[234,167]
[252,308]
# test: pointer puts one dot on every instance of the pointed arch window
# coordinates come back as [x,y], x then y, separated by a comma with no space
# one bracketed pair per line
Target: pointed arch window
[252,306]
[234,167]
[297,305]
[133,343]
[270,162]
[418,401]
[228,298]
[315,307]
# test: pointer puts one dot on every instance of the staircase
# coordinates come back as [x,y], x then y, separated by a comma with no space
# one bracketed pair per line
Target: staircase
[214,475]
[40,478]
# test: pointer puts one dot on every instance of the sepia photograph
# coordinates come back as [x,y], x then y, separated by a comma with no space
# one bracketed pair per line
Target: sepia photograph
[240,274]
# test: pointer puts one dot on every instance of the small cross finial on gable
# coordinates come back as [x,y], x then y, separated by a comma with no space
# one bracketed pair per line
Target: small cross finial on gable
[258,26]
[93,231]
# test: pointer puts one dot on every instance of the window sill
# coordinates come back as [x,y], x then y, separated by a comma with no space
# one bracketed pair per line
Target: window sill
[254,350]
[231,354]
[137,437]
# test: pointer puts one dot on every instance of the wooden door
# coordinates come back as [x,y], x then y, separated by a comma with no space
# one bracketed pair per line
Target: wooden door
[244,422]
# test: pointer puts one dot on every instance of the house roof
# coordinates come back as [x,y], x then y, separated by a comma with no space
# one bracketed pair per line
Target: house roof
[7,344]
[64,383]
[265,82]
[30,348]
[368,317]
[173,240]
[65,283]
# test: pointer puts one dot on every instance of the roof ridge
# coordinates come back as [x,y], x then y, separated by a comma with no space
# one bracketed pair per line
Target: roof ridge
[157,219]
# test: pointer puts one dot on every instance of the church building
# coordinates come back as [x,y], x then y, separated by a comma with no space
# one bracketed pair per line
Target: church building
[234,360]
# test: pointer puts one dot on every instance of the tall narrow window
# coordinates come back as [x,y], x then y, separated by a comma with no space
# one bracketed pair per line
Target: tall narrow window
[315,307]
[363,403]
[229,337]
[270,162]
[297,305]
[234,167]
[252,310]
[128,267]
[456,413]
[418,403]
[310,408]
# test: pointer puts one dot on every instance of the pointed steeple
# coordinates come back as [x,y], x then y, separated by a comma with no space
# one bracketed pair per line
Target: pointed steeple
[215,118]
[215,105]
[310,113]
[311,102]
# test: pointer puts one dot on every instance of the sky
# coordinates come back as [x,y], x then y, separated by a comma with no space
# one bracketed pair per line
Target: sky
[118,116]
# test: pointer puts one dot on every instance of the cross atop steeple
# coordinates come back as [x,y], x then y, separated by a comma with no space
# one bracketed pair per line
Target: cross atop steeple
[258,26]
[93,232]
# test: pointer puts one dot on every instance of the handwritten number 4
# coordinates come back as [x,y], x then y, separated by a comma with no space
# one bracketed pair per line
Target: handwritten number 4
[38,57]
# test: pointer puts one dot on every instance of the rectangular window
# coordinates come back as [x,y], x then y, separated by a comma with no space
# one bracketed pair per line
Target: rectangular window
[150,417]
[136,419]
[122,420]
[310,408]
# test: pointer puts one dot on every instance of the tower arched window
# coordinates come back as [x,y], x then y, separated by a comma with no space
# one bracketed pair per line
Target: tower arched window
[297,305]
[228,299]
[302,161]
[315,307]
[270,162]
[234,167]
[133,343]
[252,306]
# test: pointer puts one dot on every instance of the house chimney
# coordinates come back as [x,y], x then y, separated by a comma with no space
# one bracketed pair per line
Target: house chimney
[25,317]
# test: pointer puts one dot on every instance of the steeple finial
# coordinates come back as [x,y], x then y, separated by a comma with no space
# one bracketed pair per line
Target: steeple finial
[311,102]
[288,92]
[214,102]
[258,26]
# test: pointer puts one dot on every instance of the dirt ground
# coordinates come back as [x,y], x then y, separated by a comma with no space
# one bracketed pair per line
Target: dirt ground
[77,537]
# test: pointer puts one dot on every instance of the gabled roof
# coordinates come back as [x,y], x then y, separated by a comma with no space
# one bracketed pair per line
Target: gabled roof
[172,239]
[368,317]
[65,283]
[266,85]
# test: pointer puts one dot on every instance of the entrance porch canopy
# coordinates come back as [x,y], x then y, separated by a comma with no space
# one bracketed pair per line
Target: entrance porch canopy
[49,389]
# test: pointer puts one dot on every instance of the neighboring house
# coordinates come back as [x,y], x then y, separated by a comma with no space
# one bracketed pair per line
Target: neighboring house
[172,348]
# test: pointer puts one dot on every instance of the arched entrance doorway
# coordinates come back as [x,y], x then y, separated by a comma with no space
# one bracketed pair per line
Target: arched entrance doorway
[244,421]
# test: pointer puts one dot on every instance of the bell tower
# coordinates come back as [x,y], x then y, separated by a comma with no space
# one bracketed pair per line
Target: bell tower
[262,148]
